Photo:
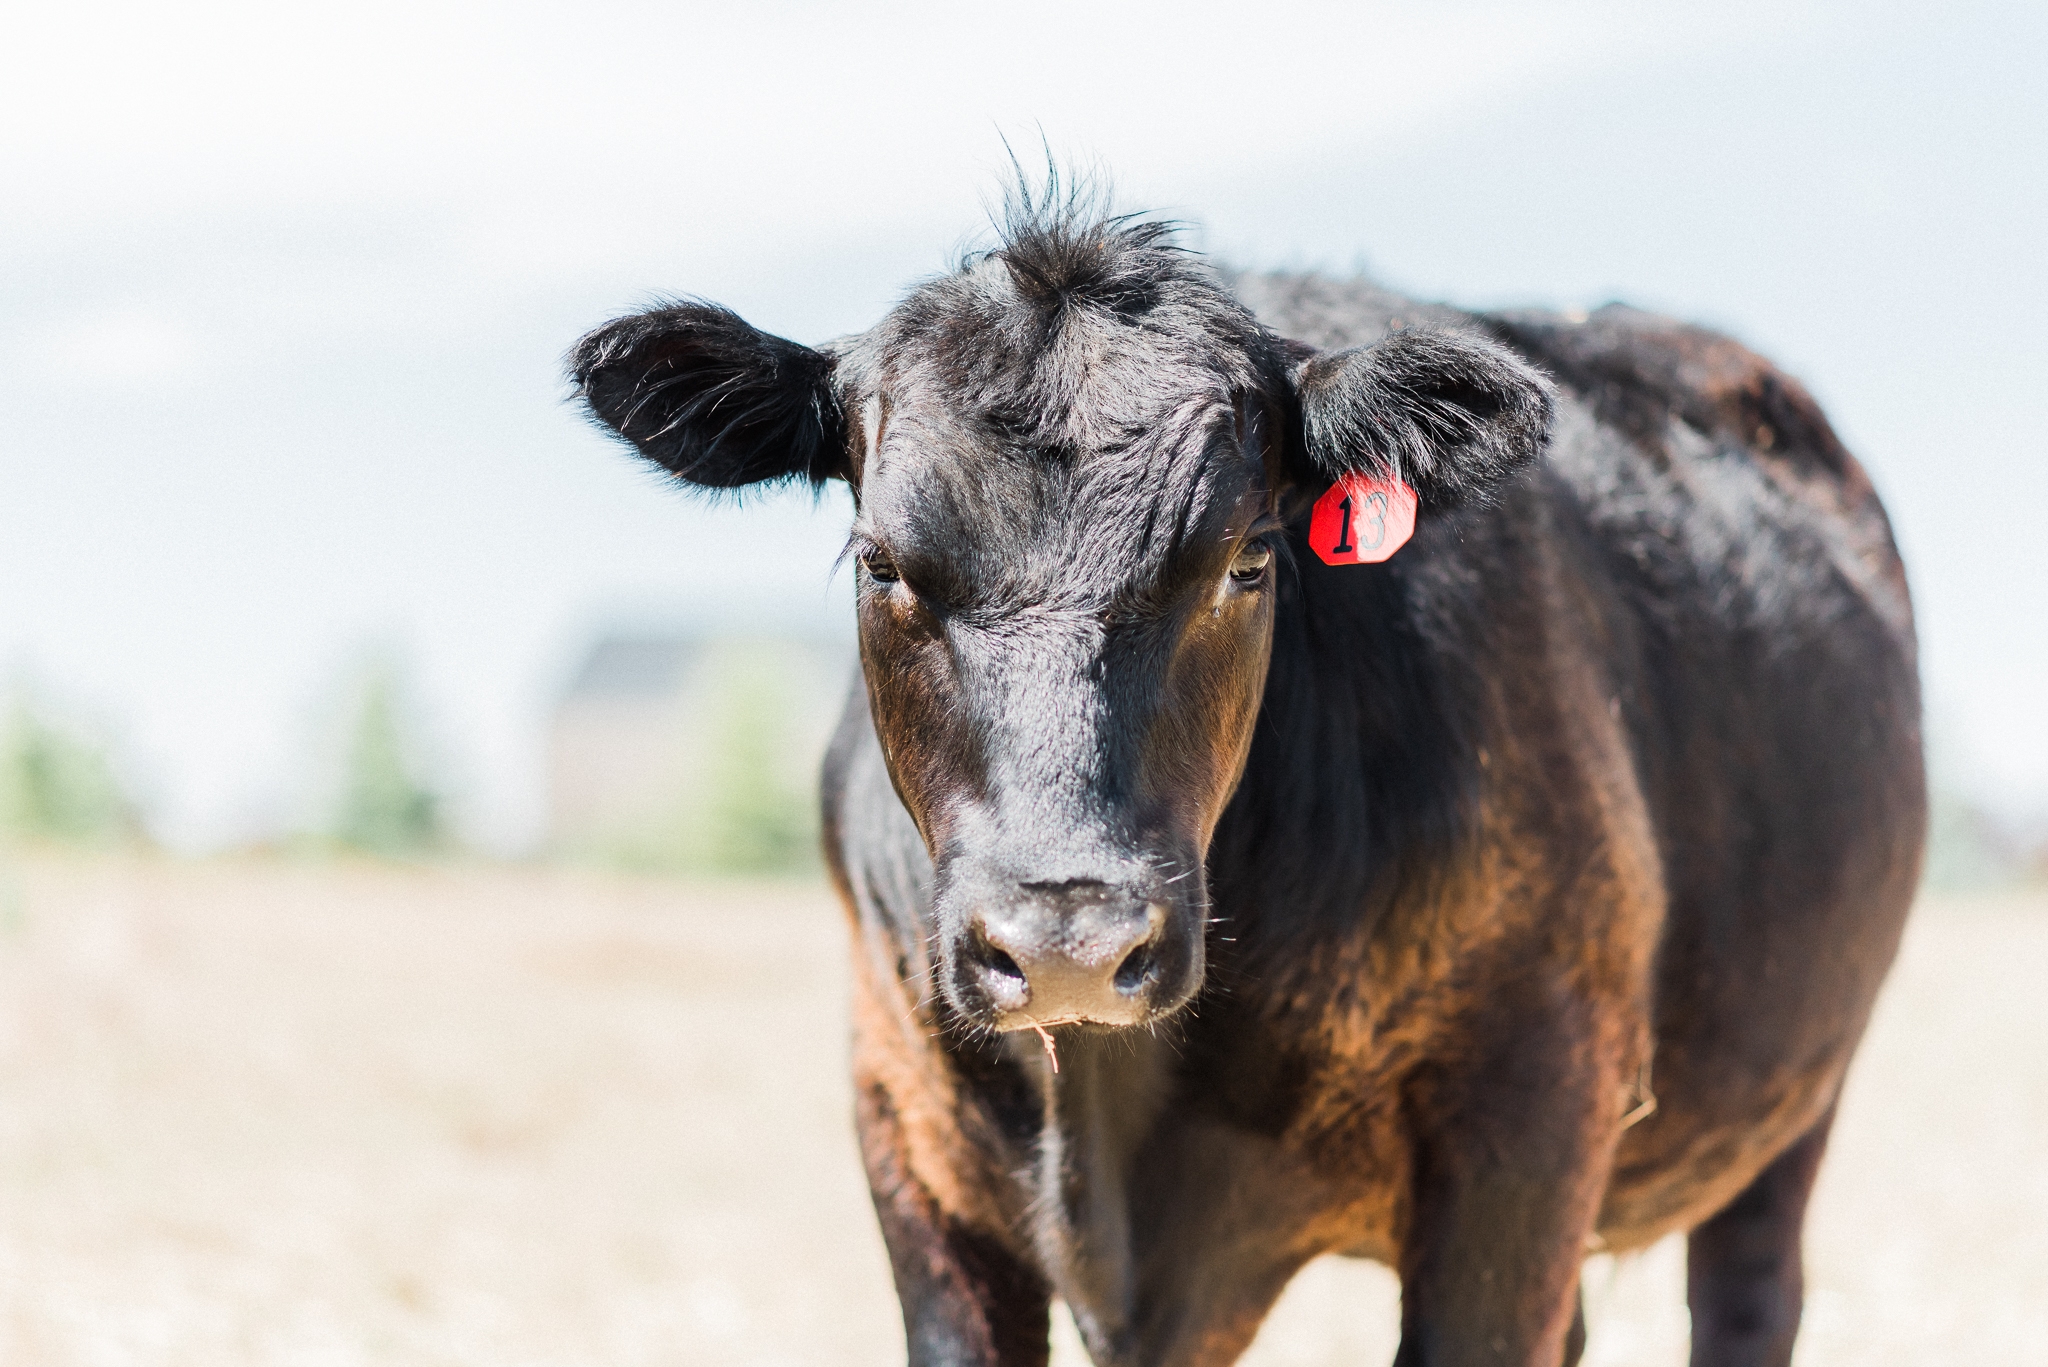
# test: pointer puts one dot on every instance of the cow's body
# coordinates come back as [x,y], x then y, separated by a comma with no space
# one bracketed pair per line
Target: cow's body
[1524,894]
[1572,847]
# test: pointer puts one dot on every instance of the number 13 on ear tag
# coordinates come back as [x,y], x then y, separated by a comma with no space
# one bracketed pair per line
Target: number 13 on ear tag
[1362,520]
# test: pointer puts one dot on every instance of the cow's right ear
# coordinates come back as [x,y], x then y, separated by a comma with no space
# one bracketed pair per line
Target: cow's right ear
[711,399]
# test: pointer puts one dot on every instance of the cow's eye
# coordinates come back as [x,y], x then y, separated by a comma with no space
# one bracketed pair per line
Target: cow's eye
[1249,566]
[879,566]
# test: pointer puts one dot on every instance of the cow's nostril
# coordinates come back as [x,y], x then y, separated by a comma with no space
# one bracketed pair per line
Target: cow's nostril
[1136,968]
[1003,965]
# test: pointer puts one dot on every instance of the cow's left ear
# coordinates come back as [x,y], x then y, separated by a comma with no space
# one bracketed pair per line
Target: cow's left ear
[1454,415]
[711,399]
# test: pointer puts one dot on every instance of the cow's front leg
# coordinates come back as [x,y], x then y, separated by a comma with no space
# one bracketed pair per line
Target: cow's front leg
[1510,1164]
[970,1297]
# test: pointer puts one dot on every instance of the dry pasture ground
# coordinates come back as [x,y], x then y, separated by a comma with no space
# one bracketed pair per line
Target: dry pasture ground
[329,1114]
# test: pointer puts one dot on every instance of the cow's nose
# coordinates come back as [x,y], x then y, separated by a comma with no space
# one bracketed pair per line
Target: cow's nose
[1072,951]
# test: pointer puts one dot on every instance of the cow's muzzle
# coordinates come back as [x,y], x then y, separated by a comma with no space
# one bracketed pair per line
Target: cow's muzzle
[1078,950]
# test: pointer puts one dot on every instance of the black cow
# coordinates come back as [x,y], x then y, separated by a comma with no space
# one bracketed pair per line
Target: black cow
[1218,906]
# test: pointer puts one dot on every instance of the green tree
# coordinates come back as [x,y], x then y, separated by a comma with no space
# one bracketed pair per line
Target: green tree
[746,803]
[386,806]
[56,785]
[757,821]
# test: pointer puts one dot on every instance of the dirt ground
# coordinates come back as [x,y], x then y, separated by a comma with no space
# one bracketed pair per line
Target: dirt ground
[298,1114]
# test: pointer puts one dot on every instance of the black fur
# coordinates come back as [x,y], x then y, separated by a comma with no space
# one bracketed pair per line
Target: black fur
[1453,414]
[714,401]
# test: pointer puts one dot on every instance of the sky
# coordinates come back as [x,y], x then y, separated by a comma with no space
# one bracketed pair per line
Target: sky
[284,293]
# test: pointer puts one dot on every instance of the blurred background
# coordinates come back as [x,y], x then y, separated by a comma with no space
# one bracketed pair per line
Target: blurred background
[284,294]
[317,596]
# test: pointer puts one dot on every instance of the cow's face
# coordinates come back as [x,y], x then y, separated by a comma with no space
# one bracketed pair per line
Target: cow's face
[1071,461]
[1066,603]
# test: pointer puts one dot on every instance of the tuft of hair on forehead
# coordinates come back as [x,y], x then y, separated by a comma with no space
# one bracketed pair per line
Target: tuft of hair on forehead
[1081,328]
[1063,244]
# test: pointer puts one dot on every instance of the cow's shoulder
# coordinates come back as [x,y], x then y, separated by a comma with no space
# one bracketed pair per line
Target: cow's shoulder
[1688,400]
[1640,371]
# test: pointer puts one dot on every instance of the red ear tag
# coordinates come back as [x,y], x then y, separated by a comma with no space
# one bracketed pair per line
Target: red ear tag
[1362,520]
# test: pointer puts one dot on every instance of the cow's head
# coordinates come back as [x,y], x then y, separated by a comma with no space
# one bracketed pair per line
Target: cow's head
[1074,460]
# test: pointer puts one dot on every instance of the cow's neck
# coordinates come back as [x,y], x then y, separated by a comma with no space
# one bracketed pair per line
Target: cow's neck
[1362,771]
[1099,1108]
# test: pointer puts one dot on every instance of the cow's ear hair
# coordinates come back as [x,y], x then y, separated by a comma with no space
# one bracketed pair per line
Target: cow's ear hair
[711,399]
[1453,414]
